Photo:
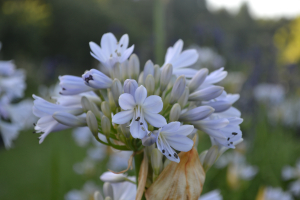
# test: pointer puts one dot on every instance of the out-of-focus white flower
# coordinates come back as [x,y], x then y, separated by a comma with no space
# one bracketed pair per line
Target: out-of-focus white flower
[9,132]
[271,193]
[111,51]
[212,195]
[180,60]
[289,173]
[173,136]
[86,167]
[140,109]
[82,136]
[13,85]
[269,93]
[86,193]
[118,159]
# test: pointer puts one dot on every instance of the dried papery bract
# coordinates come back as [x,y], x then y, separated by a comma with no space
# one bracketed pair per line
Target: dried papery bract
[179,181]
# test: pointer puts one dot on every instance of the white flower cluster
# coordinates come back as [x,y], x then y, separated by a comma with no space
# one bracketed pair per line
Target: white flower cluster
[13,117]
[293,173]
[132,108]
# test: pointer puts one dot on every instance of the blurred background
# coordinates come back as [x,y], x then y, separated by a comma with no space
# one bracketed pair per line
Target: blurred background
[258,43]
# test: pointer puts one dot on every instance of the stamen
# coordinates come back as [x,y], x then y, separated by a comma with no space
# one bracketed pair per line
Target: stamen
[138,118]
[175,155]
[119,54]
[170,155]
[87,79]
[228,139]
[143,129]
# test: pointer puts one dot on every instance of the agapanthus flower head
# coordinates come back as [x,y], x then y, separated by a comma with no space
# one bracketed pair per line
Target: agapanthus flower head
[154,112]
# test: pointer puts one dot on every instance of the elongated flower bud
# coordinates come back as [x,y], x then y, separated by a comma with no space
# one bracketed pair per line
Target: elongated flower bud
[125,70]
[202,156]
[156,75]
[184,97]
[178,89]
[156,162]
[210,157]
[106,109]
[125,130]
[148,69]
[196,114]
[165,77]
[150,84]
[116,90]
[98,196]
[134,67]
[112,178]
[92,122]
[141,78]
[206,94]
[111,100]
[116,71]
[219,106]
[106,125]
[175,112]
[108,190]
[198,79]
[130,86]
[96,79]
[69,119]
[88,105]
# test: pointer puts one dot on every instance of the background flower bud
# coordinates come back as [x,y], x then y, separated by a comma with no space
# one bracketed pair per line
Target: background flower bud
[92,122]
[184,97]
[175,112]
[111,100]
[148,69]
[89,105]
[206,94]
[165,77]
[178,89]
[125,130]
[210,157]
[130,86]
[108,190]
[141,78]
[197,113]
[156,162]
[116,71]
[202,156]
[106,109]
[134,67]
[105,125]
[150,84]
[97,196]
[198,79]
[69,119]
[157,75]
[125,70]
[116,90]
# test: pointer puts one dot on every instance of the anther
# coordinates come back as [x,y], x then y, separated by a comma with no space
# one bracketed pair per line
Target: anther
[63,88]
[234,133]
[163,151]
[141,123]
[121,45]
[143,129]
[175,155]
[228,139]
[170,155]
[87,79]
[138,118]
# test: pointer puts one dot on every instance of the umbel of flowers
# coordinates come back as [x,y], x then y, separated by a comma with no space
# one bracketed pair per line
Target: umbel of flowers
[155,112]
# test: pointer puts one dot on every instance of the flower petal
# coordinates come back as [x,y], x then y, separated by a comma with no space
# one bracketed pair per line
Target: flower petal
[154,119]
[97,52]
[153,104]
[126,53]
[180,143]
[108,44]
[122,117]
[136,130]
[140,95]
[126,101]
[186,58]
[123,43]
[187,72]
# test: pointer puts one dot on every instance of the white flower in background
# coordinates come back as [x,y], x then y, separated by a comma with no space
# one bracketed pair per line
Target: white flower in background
[86,193]
[212,195]
[293,173]
[82,136]
[173,136]
[118,160]
[269,93]
[9,132]
[44,110]
[140,109]
[13,86]
[111,51]
[271,193]
[180,60]
[121,190]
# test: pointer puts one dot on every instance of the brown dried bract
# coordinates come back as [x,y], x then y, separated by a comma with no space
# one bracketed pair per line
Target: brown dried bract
[179,181]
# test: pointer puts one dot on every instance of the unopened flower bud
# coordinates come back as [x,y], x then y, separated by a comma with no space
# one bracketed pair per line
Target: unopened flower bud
[148,69]
[105,125]
[130,86]
[125,70]
[106,109]
[171,82]
[141,78]
[96,79]
[156,161]
[112,177]
[108,190]
[166,163]
[219,106]
[165,76]
[134,67]
[178,89]
[206,94]
[198,79]
[111,100]
[85,103]
[69,120]
[210,157]
[150,84]
[202,156]
[148,140]
[108,198]
[149,149]
[116,90]
[196,114]
[89,105]
[184,97]
[116,71]
[98,196]
[157,75]
[175,112]
[125,130]
[92,122]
